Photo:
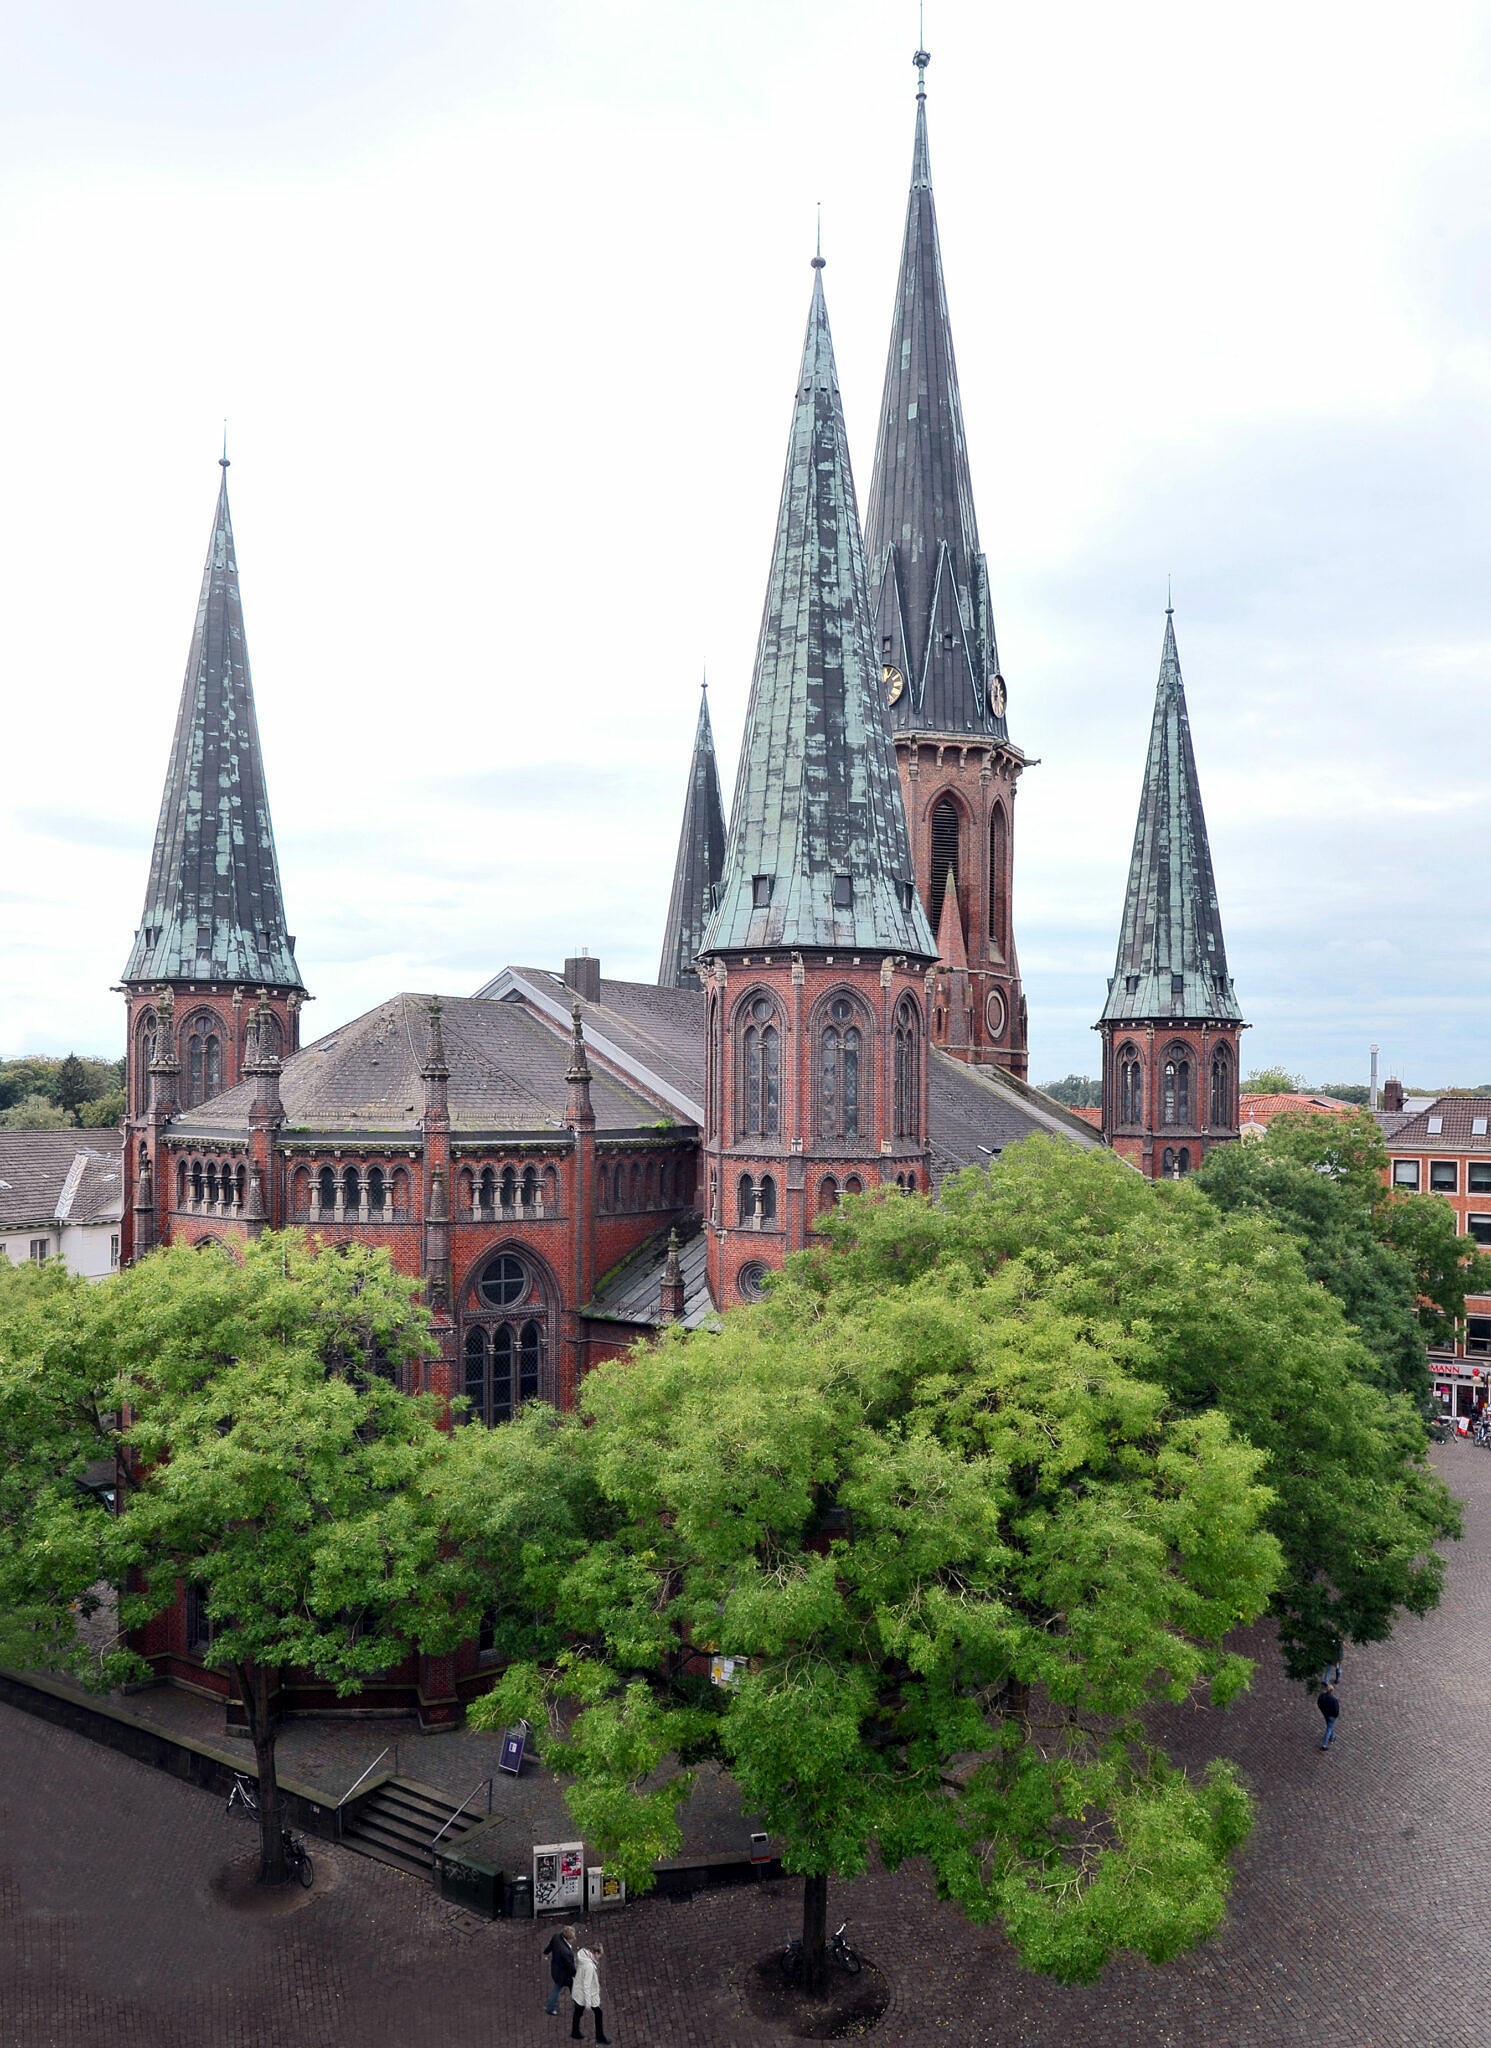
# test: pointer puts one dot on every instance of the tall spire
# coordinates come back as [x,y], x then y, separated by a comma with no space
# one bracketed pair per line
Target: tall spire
[928,578]
[701,856]
[1172,962]
[213,910]
[817,854]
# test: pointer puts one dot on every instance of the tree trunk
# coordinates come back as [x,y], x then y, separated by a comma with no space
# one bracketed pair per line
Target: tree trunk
[815,1935]
[254,1681]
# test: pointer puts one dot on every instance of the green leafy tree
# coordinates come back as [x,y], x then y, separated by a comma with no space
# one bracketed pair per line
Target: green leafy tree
[1077,1091]
[36,1113]
[1272,1081]
[959,1545]
[58,1441]
[1221,1311]
[277,1469]
[71,1086]
[103,1112]
[1347,1091]
[1394,1262]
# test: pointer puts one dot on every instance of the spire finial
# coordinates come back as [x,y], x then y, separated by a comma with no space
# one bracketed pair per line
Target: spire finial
[923,55]
[1169,602]
[818,257]
[222,461]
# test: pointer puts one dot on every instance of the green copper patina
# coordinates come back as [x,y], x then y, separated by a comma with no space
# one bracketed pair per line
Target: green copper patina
[213,909]
[817,855]
[701,858]
[1172,962]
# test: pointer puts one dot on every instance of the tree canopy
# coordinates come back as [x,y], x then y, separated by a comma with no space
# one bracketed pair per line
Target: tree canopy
[959,1543]
[1393,1261]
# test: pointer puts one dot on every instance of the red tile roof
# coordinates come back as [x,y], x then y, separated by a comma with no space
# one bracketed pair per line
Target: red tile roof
[1088,1116]
[1262,1109]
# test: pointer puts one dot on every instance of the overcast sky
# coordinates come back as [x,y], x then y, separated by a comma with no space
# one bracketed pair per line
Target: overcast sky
[503,305]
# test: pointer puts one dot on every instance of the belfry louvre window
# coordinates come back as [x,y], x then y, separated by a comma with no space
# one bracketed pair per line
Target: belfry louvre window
[839,1073]
[762,1052]
[999,834]
[945,849]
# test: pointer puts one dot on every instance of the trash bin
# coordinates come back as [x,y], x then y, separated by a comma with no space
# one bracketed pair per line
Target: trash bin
[518,1897]
[471,1875]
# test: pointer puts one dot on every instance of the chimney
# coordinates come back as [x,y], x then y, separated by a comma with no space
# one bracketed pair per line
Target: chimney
[1392,1094]
[584,977]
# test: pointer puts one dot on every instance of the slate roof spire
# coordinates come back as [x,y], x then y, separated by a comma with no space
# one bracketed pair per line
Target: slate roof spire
[701,857]
[817,854]
[213,910]
[929,581]
[1172,962]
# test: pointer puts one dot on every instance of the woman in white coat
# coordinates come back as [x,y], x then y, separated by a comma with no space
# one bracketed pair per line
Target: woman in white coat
[586,1991]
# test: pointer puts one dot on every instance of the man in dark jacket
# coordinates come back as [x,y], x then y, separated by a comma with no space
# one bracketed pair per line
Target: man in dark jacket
[1330,1706]
[560,1949]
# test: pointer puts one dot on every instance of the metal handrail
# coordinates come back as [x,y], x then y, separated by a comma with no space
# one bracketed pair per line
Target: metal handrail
[369,1772]
[465,1803]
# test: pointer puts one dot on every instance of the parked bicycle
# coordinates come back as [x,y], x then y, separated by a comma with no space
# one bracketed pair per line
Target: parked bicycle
[298,1860]
[839,1951]
[245,1793]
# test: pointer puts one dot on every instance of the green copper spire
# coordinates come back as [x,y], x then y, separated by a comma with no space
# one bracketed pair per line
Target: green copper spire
[701,855]
[817,854]
[1172,962]
[213,910]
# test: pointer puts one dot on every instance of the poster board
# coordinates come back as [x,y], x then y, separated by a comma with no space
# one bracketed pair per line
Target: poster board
[558,1877]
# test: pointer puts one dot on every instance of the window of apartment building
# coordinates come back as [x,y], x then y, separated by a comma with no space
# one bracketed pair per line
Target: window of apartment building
[39,1250]
[1478,1177]
[1478,1334]
[1444,1176]
[1405,1173]
[1479,1228]
[114,1252]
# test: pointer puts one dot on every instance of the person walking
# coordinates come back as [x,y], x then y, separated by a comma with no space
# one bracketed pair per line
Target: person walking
[1330,1707]
[586,1991]
[560,1949]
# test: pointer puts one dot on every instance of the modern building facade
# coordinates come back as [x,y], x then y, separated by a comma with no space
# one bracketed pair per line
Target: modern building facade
[1171,1022]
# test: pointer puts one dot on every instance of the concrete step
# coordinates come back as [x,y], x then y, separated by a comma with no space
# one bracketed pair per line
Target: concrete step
[398,1825]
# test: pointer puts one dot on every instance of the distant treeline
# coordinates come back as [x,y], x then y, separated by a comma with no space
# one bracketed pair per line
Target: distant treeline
[41,1094]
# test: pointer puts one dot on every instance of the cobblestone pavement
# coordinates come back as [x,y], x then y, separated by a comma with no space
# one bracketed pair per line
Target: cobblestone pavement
[1359,1912]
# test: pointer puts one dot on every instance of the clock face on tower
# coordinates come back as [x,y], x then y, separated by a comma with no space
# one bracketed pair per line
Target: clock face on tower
[997,696]
[893,680]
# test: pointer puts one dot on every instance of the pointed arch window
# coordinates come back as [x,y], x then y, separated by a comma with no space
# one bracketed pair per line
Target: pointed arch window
[1177,1089]
[1221,1087]
[506,1342]
[1130,1086]
[204,1061]
[326,1189]
[144,1054]
[999,858]
[839,1071]
[908,1071]
[761,1048]
[946,848]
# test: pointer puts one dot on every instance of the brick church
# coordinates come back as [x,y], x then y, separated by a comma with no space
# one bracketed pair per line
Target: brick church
[571,1162]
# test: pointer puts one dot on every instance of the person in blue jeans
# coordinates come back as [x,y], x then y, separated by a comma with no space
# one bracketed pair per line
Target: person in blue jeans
[560,1949]
[1330,1707]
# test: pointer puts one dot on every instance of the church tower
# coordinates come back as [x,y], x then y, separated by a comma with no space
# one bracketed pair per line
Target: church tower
[211,984]
[939,663]
[815,959]
[1171,1022]
[701,856]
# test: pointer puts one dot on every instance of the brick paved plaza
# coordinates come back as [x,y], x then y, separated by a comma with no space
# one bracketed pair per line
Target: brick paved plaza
[1359,1913]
